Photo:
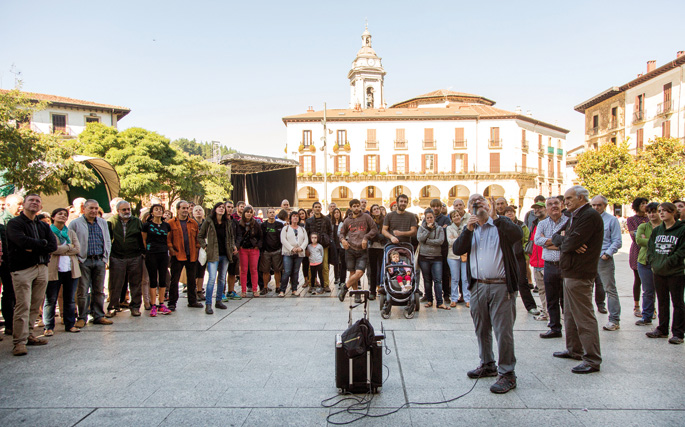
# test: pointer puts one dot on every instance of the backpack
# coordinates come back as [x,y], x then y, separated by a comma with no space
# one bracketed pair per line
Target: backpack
[358,338]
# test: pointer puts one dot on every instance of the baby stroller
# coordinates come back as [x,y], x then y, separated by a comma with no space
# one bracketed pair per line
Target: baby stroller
[394,293]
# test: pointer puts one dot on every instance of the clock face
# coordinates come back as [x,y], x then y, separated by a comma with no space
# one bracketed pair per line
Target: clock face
[371,62]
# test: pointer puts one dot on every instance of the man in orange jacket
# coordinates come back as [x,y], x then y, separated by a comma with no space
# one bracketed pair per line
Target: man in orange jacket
[183,248]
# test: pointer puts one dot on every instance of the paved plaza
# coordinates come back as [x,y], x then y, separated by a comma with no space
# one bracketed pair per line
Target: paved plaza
[270,362]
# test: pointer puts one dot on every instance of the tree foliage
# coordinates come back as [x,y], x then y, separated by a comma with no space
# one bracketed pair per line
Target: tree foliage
[202,149]
[32,161]
[656,173]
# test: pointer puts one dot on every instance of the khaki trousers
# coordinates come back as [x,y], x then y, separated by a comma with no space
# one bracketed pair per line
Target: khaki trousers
[540,283]
[582,333]
[326,274]
[29,289]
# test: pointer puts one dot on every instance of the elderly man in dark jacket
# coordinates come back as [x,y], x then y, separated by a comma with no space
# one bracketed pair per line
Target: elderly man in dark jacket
[580,245]
[30,243]
[493,276]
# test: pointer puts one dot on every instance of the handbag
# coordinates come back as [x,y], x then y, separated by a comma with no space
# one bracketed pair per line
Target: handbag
[528,249]
[202,257]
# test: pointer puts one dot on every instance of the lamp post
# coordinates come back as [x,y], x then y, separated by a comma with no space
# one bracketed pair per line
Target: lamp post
[325,158]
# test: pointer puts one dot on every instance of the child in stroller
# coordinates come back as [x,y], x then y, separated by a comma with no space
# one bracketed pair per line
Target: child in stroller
[400,277]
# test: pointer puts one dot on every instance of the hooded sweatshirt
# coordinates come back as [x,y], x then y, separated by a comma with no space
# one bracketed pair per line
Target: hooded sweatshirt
[666,249]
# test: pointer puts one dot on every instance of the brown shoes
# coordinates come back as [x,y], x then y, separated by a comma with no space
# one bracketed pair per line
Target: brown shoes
[20,350]
[36,341]
[102,321]
[80,323]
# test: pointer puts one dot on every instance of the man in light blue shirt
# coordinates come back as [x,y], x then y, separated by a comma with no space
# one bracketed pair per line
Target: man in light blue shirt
[606,268]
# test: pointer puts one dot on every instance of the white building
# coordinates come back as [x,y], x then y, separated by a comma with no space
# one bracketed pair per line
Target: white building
[68,117]
[443,144]
[649,106]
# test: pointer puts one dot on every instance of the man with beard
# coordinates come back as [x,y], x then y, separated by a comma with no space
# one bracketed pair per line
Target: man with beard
[493,275]
[126,260]
[183,249]
[357,230]
[400,225]
[321,225]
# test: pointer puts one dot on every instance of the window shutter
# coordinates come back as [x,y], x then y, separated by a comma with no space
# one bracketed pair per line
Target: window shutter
[466,162]
[558,169]
[523,163]
[667,92]
[666,129]
[540,165]
[454,163]
[378,163]
[371,135]
[494,162]
[435,163]
[399,134]
[423,163]
[496,134]
[428,134]
[336,159]
[301,164]
[523,136]
[394,163]
[366,162]
[406,163]
[313,164]
[637,103]
[459,135]
[347,161]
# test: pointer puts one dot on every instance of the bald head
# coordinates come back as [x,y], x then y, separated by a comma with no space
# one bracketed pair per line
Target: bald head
[14,204]
[500,205]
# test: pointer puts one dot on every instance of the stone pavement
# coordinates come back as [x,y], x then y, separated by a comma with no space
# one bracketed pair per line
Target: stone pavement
[270,362]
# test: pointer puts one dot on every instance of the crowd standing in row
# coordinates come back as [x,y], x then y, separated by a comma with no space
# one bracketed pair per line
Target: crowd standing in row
[480,258]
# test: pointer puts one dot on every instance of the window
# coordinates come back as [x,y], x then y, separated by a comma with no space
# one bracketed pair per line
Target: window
[428,140]
[306,138]
[460,163]
[540,166]
[400,140]
[341,137]
[524,141]
[59,123]
[639,114]
[342,163]
[401,163]
[494,141]
[558,169]
[613,140]
[344,193]
[371,163]
[371,143]
[459,140]
[311,193]
[370,192]
[307,164]
[494,163]
[550,170]
[666,129]
[595,125]
[92,119]
[614,118]
[429,163]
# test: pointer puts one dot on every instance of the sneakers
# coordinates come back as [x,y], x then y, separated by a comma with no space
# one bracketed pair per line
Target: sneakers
[327,289]
[20,350]
[342,292]
[319,290]
[357,299]
[80,323]
[602,309]
[220,305]
[234,295]
[162,309]
[225,298]
[504,384]
[102,321]
[642,322]
[611,326]
[135,312]
[656,333]
[637,312]
[32,340]
[483,371]
[281,294]
[675,340]
[534,311]
[153,311]
[542,317]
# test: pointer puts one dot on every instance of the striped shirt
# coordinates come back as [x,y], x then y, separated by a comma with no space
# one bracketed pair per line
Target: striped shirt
[545,230]
[96,241]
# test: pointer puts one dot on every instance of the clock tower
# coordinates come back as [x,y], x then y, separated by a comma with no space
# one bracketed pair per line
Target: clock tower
[366,77]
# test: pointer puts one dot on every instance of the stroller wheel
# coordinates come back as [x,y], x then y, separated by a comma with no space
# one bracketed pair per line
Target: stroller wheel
[385,313]
[409,313]
[417,302]
[381,300]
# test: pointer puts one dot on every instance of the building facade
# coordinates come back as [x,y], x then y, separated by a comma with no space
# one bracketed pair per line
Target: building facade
[442,144]
[68,117]
[645,108]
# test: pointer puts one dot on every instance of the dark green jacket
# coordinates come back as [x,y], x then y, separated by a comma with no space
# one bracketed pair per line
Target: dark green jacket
[666,250]
[209,242]
[131,245]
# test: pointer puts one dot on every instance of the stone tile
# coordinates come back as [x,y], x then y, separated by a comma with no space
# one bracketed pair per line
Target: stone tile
[208,417]
[613,418]
[104,417]
[38,417]
[294,417]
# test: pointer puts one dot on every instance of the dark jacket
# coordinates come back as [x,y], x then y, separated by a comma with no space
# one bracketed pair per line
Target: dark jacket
[666,250]
[320,226]
[249,237]
[586,228]
[25,251]
[509,233]
[209,241]
[129,246]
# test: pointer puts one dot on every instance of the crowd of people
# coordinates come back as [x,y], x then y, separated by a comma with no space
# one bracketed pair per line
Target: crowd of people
[483,258]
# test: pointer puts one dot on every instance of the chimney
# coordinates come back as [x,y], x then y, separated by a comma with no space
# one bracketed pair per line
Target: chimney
[529,113]
[310,109]
[651,65]
[518,109]
[680,53]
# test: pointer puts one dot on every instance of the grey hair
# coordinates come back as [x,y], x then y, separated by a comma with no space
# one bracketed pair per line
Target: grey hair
[121,202]
[474,196]
[602,198]
[457,200]
[90,201]
[581,192]
[178,204]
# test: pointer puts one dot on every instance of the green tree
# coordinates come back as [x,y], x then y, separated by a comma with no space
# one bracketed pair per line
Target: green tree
[661,167]
[35,162]
[203,149]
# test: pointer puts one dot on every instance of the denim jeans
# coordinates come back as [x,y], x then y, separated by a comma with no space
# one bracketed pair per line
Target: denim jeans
[458,270]
[606,270]
[647,279]
[69,304]
[291,271]
[432,274]
[213,267]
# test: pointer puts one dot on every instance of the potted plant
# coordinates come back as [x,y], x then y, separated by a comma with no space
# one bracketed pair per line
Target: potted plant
[346,173]
[373,173]
[338,174]
[319,174]
[312,148]
[300,174]
[355,173]
[300,148]
[383,173]
[308,174]
[347,147]
[336,148]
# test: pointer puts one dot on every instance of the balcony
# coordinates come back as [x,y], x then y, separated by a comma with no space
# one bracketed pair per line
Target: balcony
[459,144]
[639,116]
[593,131]
[613,124]
[527,170]
[560,152]
[372,145]
[664,108]
[495,143]
[62,131]
[524,144]
[401,145]
[429,145]
[550,150]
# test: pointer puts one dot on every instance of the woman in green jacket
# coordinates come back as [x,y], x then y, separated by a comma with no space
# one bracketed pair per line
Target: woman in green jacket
[642,234]
[216,237]
[666,254]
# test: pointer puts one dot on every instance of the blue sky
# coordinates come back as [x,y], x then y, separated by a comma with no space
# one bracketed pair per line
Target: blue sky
[229,71]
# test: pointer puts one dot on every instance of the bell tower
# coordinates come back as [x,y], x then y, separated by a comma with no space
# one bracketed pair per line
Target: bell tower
[366,77]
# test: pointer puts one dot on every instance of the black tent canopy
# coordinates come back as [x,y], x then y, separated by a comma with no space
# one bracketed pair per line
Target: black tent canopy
[268,180]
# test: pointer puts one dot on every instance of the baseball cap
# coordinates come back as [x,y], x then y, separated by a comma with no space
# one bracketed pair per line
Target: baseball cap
[538,204]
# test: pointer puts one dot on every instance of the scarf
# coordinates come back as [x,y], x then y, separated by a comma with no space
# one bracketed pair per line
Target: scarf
[62,235]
